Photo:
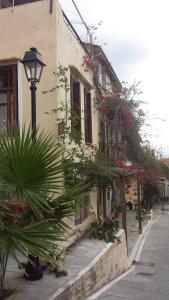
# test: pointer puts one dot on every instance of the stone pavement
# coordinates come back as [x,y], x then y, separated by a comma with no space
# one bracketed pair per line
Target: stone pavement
[76,259]
[150,278]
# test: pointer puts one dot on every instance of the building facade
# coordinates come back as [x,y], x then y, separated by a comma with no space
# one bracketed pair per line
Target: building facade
[42,24]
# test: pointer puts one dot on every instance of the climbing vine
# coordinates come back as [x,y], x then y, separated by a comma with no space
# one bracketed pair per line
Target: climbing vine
[70,139]
[87,163]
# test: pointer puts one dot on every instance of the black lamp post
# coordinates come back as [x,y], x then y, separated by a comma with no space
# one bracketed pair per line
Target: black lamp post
[33,65]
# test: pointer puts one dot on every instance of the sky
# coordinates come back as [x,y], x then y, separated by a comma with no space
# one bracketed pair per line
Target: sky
[135,37]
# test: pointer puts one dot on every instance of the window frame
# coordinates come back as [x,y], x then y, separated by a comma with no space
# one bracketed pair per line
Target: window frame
[12,94]
[88,117]
[12,3]
[83,212]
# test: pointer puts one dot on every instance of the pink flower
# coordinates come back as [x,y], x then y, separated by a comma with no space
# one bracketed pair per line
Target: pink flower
[141,113]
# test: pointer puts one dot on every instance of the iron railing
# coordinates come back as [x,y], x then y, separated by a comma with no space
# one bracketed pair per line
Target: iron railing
[115,151]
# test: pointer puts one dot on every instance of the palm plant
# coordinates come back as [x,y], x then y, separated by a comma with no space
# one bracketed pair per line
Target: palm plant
[32,174]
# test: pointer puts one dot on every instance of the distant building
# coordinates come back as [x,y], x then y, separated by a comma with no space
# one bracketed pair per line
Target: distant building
[165,161]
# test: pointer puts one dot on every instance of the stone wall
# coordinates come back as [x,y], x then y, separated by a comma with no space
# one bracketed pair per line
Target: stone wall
[76,232]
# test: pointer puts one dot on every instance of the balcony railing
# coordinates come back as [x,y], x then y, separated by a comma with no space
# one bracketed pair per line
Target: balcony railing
[115,151]
[9,3]
[118,151]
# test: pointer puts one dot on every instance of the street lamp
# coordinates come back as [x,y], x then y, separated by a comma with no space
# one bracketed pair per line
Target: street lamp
[33,65]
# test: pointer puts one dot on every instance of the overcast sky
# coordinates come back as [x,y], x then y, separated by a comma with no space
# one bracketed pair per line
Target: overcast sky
[137,45]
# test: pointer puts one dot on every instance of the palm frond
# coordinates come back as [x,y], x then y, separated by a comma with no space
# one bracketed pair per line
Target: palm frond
[33,173]
[30,169]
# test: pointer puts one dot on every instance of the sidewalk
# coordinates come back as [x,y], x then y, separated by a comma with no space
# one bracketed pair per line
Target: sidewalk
[149,278]
[77,258]
[76,261]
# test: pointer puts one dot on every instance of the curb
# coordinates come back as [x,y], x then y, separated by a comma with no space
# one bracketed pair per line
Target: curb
[81,273]
[135,255]
[142,236]
[90,269]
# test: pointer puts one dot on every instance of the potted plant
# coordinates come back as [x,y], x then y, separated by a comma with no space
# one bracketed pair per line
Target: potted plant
[142,214]
[104,229]
[118,211]
[33,200]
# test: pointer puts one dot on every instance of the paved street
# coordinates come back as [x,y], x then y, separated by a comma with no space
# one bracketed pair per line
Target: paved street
[150,278]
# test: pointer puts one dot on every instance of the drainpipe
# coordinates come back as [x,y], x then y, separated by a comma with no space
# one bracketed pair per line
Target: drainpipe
[51,6]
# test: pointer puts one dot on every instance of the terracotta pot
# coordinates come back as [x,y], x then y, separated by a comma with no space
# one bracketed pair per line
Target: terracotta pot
[118,215]
[5,293]
[18,207]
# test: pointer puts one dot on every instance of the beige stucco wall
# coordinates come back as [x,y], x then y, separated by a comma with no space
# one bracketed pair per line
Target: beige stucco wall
[70,54]
[30,25]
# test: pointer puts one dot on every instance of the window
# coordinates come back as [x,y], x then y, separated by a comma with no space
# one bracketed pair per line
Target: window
[5,3]
[88,117]
[20,2]
[83,212]
[75,106]
[8,3]
[104,79]
[8,96]
[99,71]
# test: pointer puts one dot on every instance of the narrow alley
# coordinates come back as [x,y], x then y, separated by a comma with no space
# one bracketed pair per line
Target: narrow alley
[149,279]
[84,150]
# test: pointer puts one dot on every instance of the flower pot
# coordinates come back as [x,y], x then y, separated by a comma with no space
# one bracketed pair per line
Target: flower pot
[118,215]
[5,293]
[18,207]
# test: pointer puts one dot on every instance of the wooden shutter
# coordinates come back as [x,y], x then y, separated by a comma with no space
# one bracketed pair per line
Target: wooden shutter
[88,119]
[76,106]
[20,2]
[83,212]
[14,118]
[5,3]
[8,91]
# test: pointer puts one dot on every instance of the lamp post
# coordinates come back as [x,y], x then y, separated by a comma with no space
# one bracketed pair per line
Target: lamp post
[139,199]
[33,66]
[139,206]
